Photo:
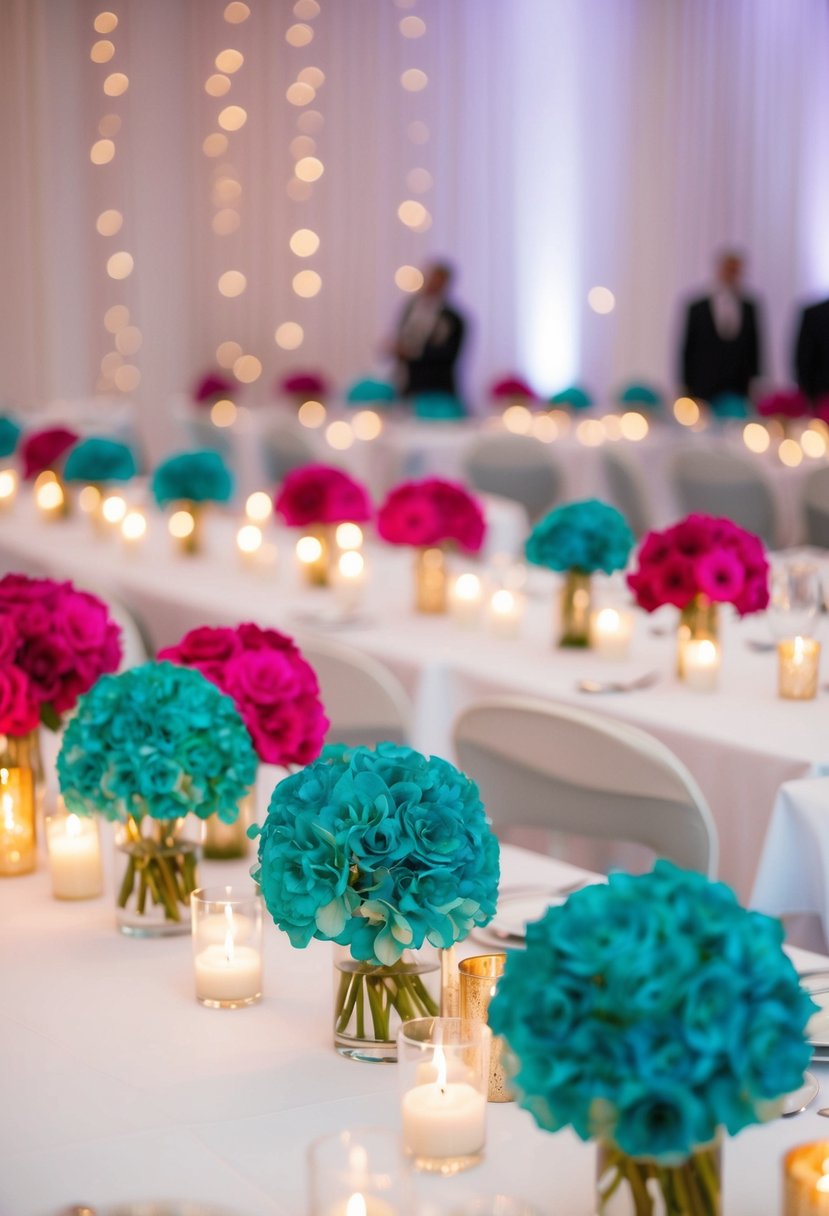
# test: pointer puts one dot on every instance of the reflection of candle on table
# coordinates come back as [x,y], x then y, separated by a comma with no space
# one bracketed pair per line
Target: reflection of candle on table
[228,974]
[505,613]
[74,857]
[701,660]
[806,1180]
[610,632]
[798,665]
[444,1119]
[465,599]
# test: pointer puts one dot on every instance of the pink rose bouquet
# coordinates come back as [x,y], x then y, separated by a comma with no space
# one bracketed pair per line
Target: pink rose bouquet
[211,386]
[274,689]
[55,642]
[431,512]
[511,387]
[42,450]
[302,383]
[320,494]
[702,556]
[785,404]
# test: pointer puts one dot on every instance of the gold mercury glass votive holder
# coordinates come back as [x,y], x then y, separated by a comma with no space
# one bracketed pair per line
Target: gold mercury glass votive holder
[478,984]
[359,1172]
[798,665]
[227,947]
[443,1069]
[806,1179]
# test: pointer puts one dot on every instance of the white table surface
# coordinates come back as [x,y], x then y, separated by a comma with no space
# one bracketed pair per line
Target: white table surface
[740,743]
[118,1086]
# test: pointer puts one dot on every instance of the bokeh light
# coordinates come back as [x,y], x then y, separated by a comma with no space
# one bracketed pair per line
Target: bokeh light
[367,424]
[223,412]
[229,61]
[227,353]
[247,368]
[756,437]
[109,222]
[289,335]
[413,80]
[312,414]
[517,419]
[249,538]
[258,506]
[339,436]
[217,85]
[408,278]
[102,152]
[349,536]
[116,318]
[181,525]
[790,453]
[102,51]
[105,23]
[232,283]
[634,426]
[411,213]
[309,169]
[232,118]
[119,265]
[601,300]
[299,34]
[304,242]
[306,283]
[116,84]
[236,12]
[686,411]
[412,27]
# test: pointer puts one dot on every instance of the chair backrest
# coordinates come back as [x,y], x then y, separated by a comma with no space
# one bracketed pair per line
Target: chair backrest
[283,449]
[515,466]
[714,481]
[364,702]
[816,507]
[628,489]
[550,765]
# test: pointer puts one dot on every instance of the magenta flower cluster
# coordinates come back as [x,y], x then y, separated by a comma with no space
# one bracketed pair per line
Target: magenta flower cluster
[785,404]
[321,494]
[702,556]
[55,642]
[274,689]
[41,450]
[432,512]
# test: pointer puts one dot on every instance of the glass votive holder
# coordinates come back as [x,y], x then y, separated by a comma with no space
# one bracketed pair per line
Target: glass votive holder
[505,611]
[806,1180]
[701,659]
[798,664]
[227,947]
[73,845]
[360,1172]
[466,597]
[611,630]
[443,1066]
[478,984]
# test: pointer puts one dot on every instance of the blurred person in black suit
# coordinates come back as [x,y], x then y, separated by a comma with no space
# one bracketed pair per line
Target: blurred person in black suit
[429,337]
[721,346]
[811,357]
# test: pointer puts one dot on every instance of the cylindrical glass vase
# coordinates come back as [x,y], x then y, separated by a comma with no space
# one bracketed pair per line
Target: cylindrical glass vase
[18,838]
[229,841]
[699,621]
[156,875]
[372,1002]
[317,561]
[575,601]
[642,1186]
[431,581]
[227,947]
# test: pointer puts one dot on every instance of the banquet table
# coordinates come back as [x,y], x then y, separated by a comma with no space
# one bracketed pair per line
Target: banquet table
[740,743]
[119,1087]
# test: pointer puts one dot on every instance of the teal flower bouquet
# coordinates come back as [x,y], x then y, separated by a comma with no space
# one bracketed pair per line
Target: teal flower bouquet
[98,460]
[9,435]
[189,480]
[579,538]
[146,748]
[379,851]
[654,1013]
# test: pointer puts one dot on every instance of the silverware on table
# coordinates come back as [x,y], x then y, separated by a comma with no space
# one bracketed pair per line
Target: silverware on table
[796,1102]
[599,686]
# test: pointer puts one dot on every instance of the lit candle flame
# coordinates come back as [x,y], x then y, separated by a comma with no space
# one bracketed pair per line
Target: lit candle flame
[356,1205]
[799,651]
[73,826]
[308,549]
[351,564]
[440,1066]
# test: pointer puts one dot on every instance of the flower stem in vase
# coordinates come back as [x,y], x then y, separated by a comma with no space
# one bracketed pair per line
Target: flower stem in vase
[159,877]
[371,1002]
[642,1186]
[575,610]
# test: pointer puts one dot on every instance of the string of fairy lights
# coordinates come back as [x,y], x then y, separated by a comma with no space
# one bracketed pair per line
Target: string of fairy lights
[412,211]
[117,372]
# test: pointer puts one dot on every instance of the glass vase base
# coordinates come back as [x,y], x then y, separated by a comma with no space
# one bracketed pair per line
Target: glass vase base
[236,1003]
[447,1166]
[172,928]
[367,1051]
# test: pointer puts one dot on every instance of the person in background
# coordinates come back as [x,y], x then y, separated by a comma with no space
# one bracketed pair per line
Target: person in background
[811,355]
[429,337]
[721,345]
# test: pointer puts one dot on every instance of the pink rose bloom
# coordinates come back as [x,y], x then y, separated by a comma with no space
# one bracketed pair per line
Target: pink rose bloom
[789,403]
[822,408]
[674,582]
[264,677]
[46,660]
[408,518]
[19,707]
[9,637]
[251,637]
[303,382]
[203,645]
[431,512]
[44,449]
[321,494]
[83,620]
[720,575]
[645,586]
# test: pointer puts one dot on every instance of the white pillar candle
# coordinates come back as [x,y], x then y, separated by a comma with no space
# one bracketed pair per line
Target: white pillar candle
[505,613]
[701,659]
[228,966]
[228,976]
[74,857]
[610,632]
[446,1120]
[249,542]
[8,487]
[350,577]
[465,599]
[133,528]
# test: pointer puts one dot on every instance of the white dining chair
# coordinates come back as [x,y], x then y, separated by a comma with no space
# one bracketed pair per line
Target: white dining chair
[515,466]
[816,507]
[364,701]
[628,488]
[714,481]
[541,764]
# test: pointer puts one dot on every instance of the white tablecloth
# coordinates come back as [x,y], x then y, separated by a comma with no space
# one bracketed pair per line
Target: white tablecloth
[740,743]
[793,874]
[118,1086]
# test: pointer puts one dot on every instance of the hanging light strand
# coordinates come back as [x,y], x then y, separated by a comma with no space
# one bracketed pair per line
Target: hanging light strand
[412,211]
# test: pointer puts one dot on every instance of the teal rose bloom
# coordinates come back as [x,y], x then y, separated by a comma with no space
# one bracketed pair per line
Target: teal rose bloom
[660,1121]
[585,536]
[192,477]
[9,435]
[99,460]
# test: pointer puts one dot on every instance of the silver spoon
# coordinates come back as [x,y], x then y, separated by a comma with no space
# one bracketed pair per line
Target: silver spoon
[799,1099]
[597,686]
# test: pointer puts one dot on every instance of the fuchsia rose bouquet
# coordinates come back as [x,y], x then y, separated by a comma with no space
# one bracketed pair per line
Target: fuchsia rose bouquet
[274,689]
[41,450]
[55,642]
[321,494]
[432,512]
[702,556]
[785,404]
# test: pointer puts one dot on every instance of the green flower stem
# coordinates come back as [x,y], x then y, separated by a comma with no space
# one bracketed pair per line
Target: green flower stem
[127,883]
[379,992]
[160,868]
[689,1189]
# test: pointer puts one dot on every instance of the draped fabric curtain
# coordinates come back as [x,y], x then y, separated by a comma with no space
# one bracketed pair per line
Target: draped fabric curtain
[569,144]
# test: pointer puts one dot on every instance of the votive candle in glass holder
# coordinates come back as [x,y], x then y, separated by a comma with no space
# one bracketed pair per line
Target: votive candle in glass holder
[74,848]
[466,596]
[806,1180]
[227,947]
[504,612]
[479,977]
[443,1066]
[359,1172]
[18,854]
[8,487]
[701,664]
[798,664]
[611,630]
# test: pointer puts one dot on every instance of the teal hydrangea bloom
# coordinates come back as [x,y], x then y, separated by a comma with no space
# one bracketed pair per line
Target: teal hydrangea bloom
[370,392]
[156,740]
[98,459]
[574,396]
[9,435]
[378,850]
[586,536]
[192,477]
[653,1011]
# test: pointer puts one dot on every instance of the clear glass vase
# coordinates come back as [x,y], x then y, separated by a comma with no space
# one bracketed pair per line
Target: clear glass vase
[642,1186]
[372,1002]
[317,572]
[19,760]
[698,621]
[156,875]
[229,841]
[431,581]
[574,627]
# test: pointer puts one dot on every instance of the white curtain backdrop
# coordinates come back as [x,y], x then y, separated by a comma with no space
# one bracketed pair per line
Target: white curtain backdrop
[571,143]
